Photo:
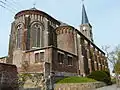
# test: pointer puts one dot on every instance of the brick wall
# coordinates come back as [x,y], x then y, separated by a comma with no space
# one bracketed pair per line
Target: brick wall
[65,38]
[64,67]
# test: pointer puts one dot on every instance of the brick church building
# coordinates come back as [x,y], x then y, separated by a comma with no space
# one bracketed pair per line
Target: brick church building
[47,45]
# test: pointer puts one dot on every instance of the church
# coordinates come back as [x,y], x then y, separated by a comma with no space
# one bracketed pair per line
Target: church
[45,45]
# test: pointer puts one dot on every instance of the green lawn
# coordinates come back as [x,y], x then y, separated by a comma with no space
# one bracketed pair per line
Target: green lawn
[76,80]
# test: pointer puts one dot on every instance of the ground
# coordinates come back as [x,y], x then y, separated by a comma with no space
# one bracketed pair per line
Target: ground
[112,87]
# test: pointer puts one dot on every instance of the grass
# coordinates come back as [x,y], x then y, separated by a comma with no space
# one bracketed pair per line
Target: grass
[76,80]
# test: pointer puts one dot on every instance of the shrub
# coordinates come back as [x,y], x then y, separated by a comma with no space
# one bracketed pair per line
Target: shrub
[76,80]
[107,72]
[100,76]
[113,80]
[109,77]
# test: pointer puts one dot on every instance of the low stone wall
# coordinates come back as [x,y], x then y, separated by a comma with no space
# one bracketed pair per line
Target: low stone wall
[8,77]
[79,86]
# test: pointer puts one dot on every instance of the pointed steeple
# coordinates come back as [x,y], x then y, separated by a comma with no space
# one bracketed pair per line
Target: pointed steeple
[85,26]
[84,16]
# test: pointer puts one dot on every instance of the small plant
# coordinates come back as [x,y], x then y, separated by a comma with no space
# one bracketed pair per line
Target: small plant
[36,78]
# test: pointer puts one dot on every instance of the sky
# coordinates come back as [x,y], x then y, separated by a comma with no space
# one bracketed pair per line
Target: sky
[104,16]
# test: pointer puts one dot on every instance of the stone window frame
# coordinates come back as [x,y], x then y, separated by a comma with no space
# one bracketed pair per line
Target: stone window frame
[19,34]
[60,58]
[70,60]
[42,57]
[39,56]
[41,34]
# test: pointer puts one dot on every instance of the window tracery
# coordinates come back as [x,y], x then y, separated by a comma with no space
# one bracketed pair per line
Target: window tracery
[19,34]
[37,35]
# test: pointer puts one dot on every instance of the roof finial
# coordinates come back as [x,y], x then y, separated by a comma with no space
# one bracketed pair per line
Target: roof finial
[34,4]
[82,1]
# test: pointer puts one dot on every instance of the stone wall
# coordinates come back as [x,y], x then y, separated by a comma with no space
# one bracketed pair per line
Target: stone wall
[3,59]
[79,86]
[8,76]
[65,38]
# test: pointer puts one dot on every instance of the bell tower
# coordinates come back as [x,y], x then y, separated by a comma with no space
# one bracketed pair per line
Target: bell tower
[85,26]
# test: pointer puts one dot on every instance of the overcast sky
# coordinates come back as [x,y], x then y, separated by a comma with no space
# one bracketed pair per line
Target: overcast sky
[104,16]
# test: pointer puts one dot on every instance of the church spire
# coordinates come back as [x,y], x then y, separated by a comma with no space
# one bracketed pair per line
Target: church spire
[84,16]
[85,26]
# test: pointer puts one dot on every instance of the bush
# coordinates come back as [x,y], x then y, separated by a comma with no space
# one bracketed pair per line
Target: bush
[113,80]
[109,77]
[76,80]
[101,76]
[107,73]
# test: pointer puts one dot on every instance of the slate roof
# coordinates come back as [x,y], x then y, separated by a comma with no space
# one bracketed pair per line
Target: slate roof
[84,16]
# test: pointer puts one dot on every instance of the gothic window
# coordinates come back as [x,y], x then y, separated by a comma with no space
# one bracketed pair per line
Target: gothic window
[37,35]
[19,35]
[42,38]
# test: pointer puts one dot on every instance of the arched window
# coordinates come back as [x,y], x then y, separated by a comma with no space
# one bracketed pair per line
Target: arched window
[37,35]
[19,35]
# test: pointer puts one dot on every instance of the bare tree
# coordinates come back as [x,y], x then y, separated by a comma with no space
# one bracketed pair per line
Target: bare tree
[112,55]
[114,58]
